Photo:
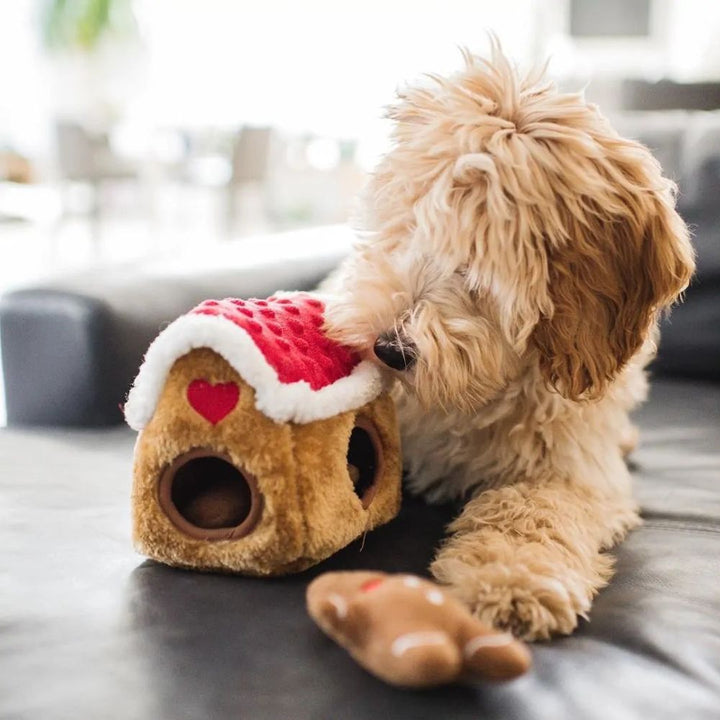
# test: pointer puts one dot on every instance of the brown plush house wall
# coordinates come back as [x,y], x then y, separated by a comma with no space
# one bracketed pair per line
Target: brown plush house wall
[252,495]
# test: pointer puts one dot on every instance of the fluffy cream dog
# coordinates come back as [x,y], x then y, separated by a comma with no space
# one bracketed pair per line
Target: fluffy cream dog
[518,255]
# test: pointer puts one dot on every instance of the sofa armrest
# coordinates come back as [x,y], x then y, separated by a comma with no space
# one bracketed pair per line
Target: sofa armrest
[690,335]
[71,348]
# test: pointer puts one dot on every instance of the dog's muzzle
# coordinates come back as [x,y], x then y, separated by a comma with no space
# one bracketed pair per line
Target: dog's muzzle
[395,351]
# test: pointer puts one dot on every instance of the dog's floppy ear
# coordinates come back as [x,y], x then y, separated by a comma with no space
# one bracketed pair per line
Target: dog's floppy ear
[624,260]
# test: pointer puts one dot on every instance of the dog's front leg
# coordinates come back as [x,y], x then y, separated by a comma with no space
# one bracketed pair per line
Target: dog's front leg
[529,557]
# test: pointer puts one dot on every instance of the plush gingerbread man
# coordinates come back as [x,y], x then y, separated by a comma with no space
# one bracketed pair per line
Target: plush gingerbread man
[409,631]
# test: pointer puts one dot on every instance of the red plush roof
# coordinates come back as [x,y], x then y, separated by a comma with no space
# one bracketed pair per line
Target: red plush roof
[288,332]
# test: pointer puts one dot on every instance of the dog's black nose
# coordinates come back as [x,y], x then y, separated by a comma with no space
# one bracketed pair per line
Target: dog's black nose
[395,351]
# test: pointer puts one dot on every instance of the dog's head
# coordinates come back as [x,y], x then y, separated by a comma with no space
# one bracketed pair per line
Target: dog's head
[511,228]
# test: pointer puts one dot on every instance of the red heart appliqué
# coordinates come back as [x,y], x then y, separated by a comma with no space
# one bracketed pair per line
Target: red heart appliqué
[213,402]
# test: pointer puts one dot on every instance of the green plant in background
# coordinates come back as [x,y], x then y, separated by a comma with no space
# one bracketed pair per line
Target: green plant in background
[84,24]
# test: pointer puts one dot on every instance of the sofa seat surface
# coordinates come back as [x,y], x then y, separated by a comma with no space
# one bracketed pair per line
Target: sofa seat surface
[88,629]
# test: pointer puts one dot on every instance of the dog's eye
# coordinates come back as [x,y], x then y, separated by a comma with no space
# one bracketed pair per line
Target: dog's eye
[395,350]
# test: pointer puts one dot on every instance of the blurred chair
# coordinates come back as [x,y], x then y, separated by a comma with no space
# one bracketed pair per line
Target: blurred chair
[250,165]
[86,157]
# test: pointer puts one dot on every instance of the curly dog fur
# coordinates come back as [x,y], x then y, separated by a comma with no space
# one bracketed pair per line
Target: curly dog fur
[520,251]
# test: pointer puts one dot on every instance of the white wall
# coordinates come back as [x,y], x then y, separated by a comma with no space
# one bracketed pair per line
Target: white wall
[322,65]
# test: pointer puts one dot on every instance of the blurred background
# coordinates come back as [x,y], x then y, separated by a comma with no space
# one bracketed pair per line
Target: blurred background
[177,138]
[138,128]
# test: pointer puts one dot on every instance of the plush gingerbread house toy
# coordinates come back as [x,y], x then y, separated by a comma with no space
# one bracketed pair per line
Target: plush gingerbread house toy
[264,447]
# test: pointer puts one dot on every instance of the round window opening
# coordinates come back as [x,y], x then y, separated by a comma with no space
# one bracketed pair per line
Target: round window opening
[206,496]
[364,460]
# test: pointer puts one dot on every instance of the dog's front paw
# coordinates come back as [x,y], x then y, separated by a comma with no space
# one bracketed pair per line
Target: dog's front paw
[532,604]
[533,609]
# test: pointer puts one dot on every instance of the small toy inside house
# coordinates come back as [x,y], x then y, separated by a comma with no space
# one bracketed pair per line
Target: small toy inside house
[264,446]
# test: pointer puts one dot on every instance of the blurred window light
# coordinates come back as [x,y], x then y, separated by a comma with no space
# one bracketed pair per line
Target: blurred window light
[317,67]
[323,153]
[168,146]
[295,154]
[372,146]
[210,170]
[27,202]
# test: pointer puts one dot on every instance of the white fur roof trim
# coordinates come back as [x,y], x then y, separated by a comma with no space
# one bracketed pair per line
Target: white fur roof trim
[283,402]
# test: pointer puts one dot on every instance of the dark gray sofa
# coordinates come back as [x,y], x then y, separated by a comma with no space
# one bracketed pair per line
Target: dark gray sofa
[89,629]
